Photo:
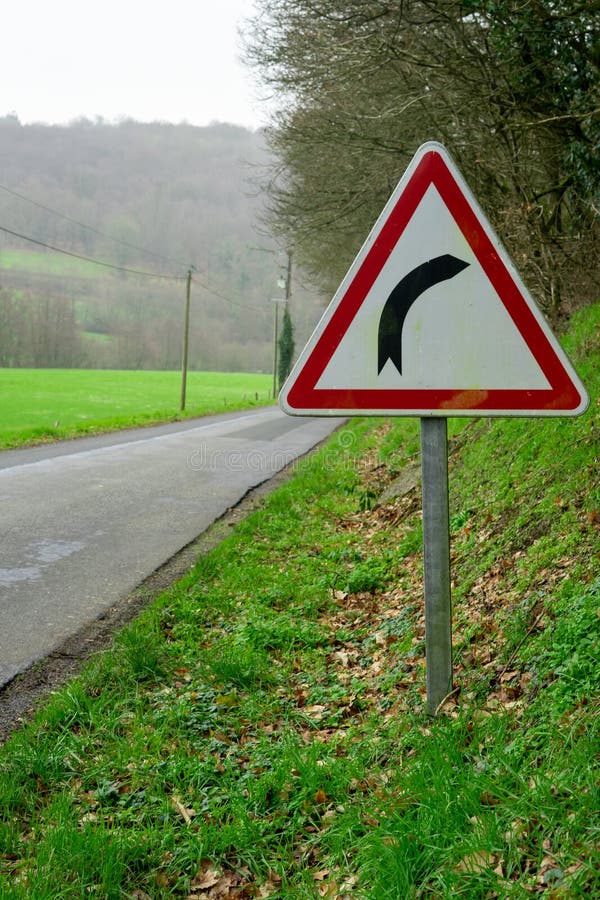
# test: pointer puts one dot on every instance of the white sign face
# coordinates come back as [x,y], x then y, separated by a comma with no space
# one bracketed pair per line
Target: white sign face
[457,333]
[432,318]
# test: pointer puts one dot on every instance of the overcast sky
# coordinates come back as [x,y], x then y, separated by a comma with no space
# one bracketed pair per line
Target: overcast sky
[170,61]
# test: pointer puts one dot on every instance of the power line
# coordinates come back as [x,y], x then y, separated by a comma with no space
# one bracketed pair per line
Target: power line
[96,262]
[103,234]
[99,262]
[225,298]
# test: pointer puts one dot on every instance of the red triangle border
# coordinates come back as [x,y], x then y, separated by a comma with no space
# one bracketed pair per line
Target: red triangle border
[564,395]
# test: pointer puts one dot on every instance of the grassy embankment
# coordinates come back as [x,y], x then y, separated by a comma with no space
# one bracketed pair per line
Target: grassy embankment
[260,731]
[50,404]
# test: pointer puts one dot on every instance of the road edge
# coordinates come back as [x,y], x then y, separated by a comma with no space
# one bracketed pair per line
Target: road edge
[20,696]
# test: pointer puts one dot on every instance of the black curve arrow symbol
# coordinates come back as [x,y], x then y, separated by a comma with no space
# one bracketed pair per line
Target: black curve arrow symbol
[397,305]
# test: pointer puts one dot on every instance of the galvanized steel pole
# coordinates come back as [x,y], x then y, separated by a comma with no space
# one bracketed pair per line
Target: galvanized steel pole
[436,540]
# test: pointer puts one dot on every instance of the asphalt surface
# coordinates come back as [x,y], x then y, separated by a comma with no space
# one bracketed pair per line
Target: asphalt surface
[84,522]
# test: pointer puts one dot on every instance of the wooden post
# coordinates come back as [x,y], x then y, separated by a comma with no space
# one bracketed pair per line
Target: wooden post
[288,276]
[275,347]
[186,338]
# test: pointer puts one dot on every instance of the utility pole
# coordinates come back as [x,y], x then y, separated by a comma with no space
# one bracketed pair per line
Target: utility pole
[275,343]
[186,337]
[287,284]
[286,338]
[288,276]
[276,301]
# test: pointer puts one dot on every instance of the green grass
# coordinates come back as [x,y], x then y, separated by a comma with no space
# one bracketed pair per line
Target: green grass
[260,731]
[48,404]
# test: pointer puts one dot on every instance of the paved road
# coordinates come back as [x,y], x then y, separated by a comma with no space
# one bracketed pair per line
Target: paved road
[84,522]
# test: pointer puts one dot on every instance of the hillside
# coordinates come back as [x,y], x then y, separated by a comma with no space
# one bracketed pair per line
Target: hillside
[260,731]
[156,198]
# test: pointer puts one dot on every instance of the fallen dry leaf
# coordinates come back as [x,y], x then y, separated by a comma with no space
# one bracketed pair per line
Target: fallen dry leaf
[211,883]
[270,886]
[321,874]
[187,814]
[316,711]
[475,862]
[206,877]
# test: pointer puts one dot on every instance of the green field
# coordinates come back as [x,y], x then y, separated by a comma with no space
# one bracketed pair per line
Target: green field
[50,404]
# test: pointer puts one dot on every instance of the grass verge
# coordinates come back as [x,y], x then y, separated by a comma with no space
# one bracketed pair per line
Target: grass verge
[39,405]
[259,732]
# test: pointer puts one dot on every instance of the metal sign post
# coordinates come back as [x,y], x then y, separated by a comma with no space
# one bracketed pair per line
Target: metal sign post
[436,544]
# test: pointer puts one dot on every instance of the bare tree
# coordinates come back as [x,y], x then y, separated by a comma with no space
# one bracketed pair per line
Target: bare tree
[511,89]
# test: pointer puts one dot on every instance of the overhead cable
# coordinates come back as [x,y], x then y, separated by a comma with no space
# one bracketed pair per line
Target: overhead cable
[90,259]
[103,234]
[99,262]
[212,291]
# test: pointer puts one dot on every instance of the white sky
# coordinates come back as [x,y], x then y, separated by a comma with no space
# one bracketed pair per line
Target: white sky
[171,61]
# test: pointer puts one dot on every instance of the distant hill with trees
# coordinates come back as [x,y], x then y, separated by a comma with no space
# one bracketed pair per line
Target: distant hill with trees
[154,198]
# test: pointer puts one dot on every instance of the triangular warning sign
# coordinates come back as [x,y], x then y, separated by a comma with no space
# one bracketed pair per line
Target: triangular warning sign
[432,318]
